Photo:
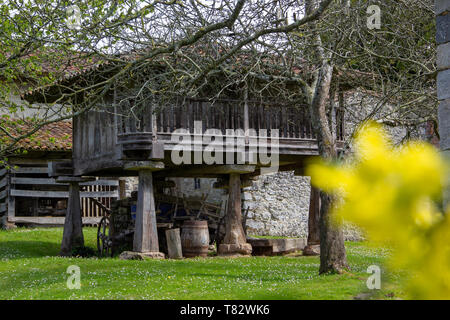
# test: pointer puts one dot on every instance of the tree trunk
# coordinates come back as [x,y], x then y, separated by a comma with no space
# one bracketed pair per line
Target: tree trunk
[314,217]
[235,241]
[312,248]
[332,249]
[233,221]
[333,257]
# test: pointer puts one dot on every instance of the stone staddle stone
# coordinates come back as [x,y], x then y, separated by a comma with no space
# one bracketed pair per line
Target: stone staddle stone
[243,249]
[131,255]
[312,250]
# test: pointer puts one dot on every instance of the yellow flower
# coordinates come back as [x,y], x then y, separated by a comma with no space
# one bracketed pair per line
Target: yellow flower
[391,194]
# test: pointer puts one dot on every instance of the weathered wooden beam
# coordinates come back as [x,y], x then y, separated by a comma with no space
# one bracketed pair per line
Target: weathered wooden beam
[145,233]
[52,181]
[51,220]
[3,194]
[30,170]
[122,189]
[174,244]
[206,171]
[3,172]
[60,221]
[38,181]
[11,206]
[143,165]
[28,161]
[2,207]
[3,182]
[60,168]
[63,194]
[101,182]
[73,224]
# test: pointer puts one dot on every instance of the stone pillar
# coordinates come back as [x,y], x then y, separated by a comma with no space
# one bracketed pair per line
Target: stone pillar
[145,240]
[73,224]
[442,8]
[235,242]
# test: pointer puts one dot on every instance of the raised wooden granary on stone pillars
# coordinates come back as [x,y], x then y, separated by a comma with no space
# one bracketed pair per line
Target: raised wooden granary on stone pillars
[233,136]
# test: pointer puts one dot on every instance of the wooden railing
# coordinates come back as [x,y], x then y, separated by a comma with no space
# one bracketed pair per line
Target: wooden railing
[291,121]
[97,133]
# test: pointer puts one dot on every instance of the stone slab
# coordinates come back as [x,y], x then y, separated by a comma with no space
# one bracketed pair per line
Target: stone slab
[132,255]
[443,28]
[443,56]
[441,6]
[443,84]
[7,225]
[276,246]
[312,250]
[243,249]
[143,165]
[444,124]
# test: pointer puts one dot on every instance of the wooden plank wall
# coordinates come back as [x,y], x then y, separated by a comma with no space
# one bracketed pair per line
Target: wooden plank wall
[33,182]
[94,134]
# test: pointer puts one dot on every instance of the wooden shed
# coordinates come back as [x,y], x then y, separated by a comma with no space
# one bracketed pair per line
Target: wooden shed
[29,196]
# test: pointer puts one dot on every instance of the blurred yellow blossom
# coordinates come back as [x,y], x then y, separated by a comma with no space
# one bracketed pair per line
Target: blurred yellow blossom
[391,193]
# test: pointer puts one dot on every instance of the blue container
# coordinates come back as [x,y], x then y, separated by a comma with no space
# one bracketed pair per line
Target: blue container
[133,211]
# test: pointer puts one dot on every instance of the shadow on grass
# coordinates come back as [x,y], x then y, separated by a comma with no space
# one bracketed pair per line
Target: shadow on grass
[28,249]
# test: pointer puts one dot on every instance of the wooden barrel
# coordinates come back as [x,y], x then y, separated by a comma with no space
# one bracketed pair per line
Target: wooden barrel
[195,238]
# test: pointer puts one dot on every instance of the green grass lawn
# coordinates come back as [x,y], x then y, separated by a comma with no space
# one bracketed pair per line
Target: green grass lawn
[31,269]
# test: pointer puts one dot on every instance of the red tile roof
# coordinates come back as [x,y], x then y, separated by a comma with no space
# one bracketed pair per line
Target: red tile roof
[52,137]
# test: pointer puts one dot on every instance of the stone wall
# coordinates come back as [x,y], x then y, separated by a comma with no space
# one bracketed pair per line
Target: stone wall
[443,78]
[278,205]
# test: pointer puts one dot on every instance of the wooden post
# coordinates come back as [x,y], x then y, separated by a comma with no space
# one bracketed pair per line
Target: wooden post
[235,241]
[145,240]
[145,233]
[73,232]
[313,246]
[35,207]
[246,119]
[122,189]
[174,243]
[9,224]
